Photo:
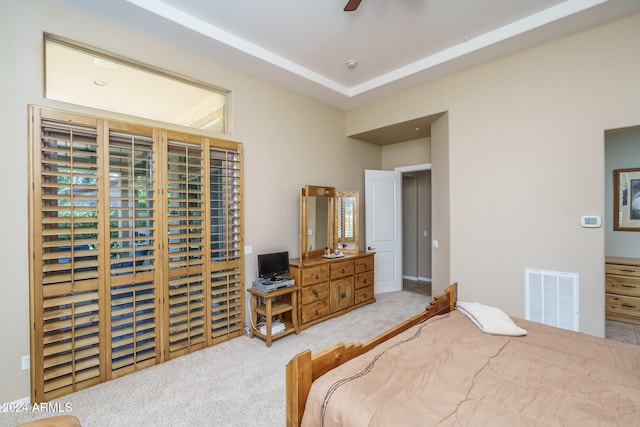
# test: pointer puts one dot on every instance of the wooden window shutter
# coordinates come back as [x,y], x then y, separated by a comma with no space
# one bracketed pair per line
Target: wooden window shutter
[135,240]
[225,184]
[186,299]
[66,341]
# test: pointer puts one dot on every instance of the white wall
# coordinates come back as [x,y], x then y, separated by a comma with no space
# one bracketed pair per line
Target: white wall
[289,141]
[525,161]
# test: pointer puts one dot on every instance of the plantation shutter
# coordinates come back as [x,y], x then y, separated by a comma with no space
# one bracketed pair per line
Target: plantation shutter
[227,314]
[66,341]
[132,249]
[186,264]
[135,237]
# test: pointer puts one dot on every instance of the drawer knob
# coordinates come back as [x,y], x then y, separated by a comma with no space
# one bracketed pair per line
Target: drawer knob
[317,312]
[342,271]
[344,295]
[365,281]
[317,277]
[315,293]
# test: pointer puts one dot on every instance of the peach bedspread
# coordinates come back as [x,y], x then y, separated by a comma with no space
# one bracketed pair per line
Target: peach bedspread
[446,372]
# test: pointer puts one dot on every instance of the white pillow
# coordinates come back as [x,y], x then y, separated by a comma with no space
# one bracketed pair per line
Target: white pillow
[490,320]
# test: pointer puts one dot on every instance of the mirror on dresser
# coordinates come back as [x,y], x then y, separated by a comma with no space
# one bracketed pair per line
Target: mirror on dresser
[345,221]
[316,219]
[328,220]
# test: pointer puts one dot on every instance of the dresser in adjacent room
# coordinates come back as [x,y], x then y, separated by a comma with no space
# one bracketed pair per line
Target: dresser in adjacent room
[622,289]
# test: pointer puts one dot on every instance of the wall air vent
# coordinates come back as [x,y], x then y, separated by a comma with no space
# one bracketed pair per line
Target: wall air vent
[552,298]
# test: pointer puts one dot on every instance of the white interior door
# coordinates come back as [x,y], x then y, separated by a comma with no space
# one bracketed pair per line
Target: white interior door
[383,227]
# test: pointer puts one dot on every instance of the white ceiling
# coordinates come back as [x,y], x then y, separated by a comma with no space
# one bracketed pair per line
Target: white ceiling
[304,44]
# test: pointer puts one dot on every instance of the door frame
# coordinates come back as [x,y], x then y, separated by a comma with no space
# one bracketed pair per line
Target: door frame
[414,168]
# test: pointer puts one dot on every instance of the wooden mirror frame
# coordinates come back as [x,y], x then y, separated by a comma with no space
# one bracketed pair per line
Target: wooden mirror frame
[346,244]
[305,193]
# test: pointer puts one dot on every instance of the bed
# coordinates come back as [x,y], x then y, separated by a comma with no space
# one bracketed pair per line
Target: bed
[440,368]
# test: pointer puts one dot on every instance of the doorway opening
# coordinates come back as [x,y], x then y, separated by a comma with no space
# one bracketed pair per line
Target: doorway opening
[433,148]
[416,228]
[622,154]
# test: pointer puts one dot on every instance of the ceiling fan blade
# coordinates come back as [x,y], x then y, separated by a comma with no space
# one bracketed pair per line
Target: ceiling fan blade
[352,5]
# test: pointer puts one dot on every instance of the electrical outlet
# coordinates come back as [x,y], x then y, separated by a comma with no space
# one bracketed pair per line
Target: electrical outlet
[26,362]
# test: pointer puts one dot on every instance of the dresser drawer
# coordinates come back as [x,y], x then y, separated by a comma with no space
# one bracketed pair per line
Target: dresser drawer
[621,285]
[313,293]
[364,264]
[365,279]
[621,305]
[316,310]
[341,269]
[623,270]
[364,294]
[315,275]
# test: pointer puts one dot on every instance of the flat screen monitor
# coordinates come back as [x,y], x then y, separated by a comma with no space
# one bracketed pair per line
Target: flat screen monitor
[272,265]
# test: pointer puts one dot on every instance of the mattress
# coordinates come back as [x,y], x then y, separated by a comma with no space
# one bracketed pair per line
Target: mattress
[446,372]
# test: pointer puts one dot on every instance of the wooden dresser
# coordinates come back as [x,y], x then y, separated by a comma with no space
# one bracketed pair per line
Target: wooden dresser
[623,289]
[332,287]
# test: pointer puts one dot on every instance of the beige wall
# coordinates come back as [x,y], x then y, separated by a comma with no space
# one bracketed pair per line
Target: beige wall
[408,153]
[440,205]
[289,141]
[525,161]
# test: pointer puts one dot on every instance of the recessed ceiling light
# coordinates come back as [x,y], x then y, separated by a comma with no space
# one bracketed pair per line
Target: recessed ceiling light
[99,83]
[100,62]
[351,64]
[417,129]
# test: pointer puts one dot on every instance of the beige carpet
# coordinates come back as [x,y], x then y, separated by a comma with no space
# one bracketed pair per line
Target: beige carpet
[237,383]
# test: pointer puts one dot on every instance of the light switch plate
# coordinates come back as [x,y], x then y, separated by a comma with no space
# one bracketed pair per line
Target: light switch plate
[26,362]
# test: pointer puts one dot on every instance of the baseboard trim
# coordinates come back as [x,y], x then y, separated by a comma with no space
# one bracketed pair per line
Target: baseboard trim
[417,279]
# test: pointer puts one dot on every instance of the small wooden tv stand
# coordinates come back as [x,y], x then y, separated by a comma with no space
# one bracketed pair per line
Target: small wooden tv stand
[281,304]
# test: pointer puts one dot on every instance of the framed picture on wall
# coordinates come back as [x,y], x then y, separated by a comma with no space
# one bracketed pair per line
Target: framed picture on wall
[626,201]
